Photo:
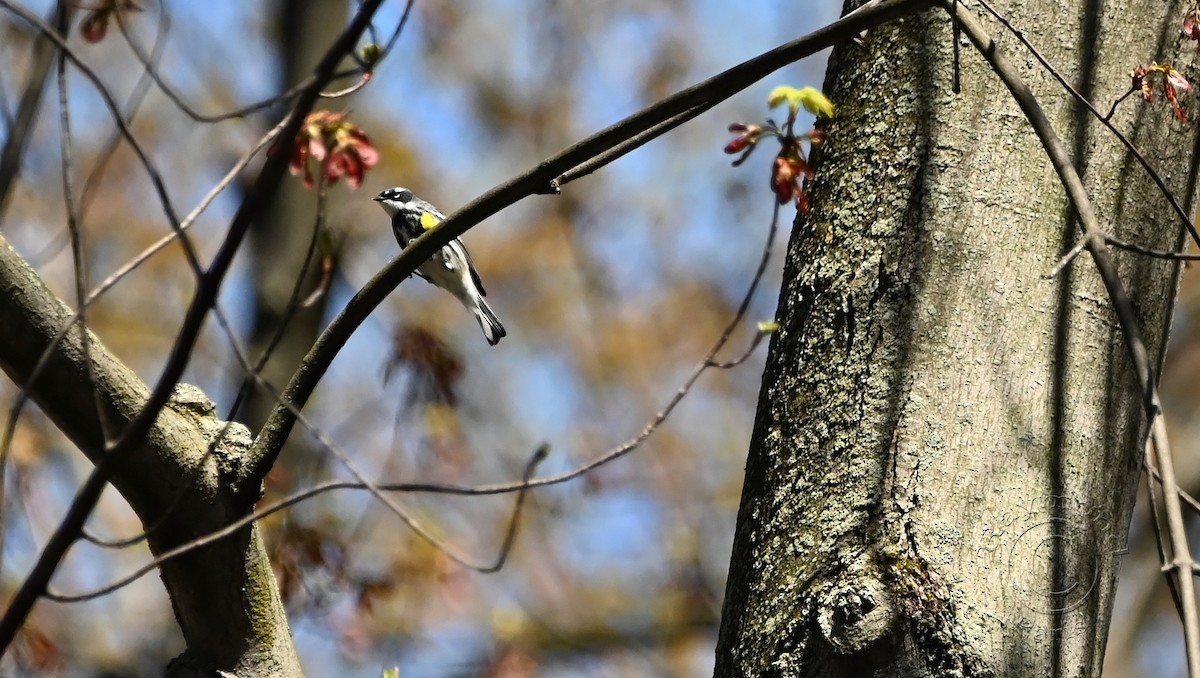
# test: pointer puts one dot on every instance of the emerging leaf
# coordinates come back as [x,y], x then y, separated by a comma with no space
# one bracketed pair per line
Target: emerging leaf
[94,26]
[810,98]
[781,94]
[815,102]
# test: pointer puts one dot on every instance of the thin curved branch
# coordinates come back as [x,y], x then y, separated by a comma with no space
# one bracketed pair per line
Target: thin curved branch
[523,485]
[1187,498]
[18,405]
[114,110]
[411,522]
[1105,119]
[23,396]
[1117,102]
[289,311]
[130,266]
[624,147]
[177,98]
[136,96]
[1158,254]
[75,236]
[208,285]
[506,544]
[1181,562]
[27,109]
[526,483]
[538,180]
[17,139]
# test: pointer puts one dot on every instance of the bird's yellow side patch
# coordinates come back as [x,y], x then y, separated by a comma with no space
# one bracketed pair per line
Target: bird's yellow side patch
[428,221]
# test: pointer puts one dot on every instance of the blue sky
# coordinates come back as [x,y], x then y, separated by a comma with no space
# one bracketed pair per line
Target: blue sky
[527,390]
[615,532]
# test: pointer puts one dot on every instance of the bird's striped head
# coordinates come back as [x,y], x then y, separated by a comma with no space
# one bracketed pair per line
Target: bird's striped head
[396,200]
[402,201]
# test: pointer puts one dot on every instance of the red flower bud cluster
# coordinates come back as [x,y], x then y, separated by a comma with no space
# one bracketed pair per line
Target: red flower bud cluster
[747,137]
[791,169]
[1191,25]
[340,148]
[94,26]
[1173,83]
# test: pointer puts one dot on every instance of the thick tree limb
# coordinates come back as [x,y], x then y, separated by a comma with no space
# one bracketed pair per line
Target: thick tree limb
[241,645]
[229,615]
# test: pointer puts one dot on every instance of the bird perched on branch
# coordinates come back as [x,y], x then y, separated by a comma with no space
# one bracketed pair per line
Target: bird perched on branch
[450,268]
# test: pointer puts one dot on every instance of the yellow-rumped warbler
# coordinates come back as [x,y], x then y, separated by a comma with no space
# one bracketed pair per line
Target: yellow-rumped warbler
[451,268]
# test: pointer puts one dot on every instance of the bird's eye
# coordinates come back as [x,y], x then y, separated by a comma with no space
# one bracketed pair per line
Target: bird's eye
[403,196]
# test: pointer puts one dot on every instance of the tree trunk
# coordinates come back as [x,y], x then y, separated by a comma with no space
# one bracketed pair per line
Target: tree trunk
[947,445]
[223,594]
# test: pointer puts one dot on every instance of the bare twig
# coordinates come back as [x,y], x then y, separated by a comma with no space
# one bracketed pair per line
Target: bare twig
[148,63]
[177,98]
[1156,513]
[105,156]
[624,147]
[168,509]
[349,89]
[22,397]
[1067,258]
[254,376]
[1181,560]
[253,372]
[78,256]
[411,522]
[192,216]
[527,482]
[208,285]
[31,100]
[17,138]
[1159,254]
[709,361]
[506,544]
[133,264]
[78,260]
[1188,498]
[114,109]
[1157,178]
[540,179]
[1117,102]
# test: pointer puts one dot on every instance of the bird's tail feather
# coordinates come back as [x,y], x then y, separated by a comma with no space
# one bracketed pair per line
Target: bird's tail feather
[493,330]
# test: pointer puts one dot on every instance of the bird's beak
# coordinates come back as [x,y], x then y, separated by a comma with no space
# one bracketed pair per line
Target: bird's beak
[377,199]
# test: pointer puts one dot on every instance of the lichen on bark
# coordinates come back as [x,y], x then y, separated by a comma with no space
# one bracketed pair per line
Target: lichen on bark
[942,430]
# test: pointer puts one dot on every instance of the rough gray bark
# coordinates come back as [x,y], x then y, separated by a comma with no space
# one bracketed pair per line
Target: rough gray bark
[224,594]
[947,444]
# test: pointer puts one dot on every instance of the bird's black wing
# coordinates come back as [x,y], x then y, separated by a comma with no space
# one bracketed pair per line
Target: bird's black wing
[471,266]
